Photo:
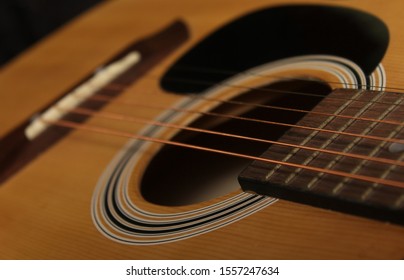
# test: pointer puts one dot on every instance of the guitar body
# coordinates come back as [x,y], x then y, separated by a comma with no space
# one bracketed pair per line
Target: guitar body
[47,208]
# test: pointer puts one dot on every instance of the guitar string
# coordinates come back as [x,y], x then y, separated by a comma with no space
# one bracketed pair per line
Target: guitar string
[121,117]
[213,84]
[254,74]
[74,125]
[295,110]
[119,86]
[389,182]
[153,106]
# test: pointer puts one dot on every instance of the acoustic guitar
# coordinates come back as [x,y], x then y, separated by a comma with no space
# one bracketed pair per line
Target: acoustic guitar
[207,130]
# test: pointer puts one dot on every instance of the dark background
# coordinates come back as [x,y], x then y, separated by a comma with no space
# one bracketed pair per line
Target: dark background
[23,22]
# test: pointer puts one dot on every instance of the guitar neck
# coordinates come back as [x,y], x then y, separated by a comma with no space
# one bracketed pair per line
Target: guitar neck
[364,145]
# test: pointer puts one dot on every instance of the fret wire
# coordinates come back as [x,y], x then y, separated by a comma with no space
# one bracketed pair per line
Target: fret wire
[399,201]
[103,130]
[314,134]
[293,109]
[371,188]
[311,135]
[121,117]
[114,86]
[315,179]
[338,157]
[340,185]
[225,84]
[102,98]
[386,173]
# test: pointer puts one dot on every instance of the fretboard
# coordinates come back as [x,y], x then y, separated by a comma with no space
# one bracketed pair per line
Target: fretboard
[366,142]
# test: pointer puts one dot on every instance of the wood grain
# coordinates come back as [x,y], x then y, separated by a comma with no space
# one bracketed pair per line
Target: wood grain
[341,193]
[45,209]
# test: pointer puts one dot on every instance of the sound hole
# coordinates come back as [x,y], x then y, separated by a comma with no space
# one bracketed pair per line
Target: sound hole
[180,176]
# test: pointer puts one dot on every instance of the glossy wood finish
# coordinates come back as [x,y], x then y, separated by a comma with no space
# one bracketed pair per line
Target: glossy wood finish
[45,209]
[17,150]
